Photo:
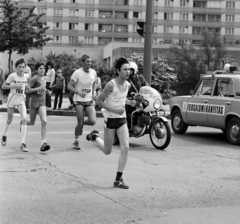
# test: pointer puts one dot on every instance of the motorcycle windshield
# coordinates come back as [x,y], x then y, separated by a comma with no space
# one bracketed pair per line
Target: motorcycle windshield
[148,91]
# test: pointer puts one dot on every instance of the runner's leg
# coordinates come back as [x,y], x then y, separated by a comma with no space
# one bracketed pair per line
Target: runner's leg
[106,145]
[23,112]
[91,114]
[123,137]
[33,115]
[43,116]
[10,112]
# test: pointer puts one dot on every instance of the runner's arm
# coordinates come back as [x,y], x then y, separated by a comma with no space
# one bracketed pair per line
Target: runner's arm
[32,83]
[71,87]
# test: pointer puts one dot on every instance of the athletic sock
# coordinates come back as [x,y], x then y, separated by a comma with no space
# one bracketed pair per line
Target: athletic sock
[119,175]
[23,133]
[94,136]
[44,141]
[76,138]
[6,129]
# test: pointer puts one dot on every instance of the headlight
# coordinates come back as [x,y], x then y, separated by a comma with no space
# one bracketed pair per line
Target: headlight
[157,104]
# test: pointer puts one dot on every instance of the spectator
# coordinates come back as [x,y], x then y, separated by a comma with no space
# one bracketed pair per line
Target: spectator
[50,77]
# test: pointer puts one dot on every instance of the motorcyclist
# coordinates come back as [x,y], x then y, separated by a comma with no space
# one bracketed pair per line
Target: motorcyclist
[137,81]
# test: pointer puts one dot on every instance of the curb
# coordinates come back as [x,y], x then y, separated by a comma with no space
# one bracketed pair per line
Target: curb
[67,113]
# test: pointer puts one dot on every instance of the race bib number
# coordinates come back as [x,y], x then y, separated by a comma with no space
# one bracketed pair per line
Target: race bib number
[19,91]
[40,91]
[86,90]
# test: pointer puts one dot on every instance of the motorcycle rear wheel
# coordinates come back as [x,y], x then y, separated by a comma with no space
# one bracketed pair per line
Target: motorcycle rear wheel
[160,143]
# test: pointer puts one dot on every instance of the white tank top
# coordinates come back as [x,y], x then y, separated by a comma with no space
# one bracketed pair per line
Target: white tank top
[117,99]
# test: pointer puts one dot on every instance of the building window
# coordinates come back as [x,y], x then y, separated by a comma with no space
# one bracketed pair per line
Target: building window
[155,29]
[72,39]
[229,31]
[73,1]
[89,26]
[89,13]
[73,26]
[200,17]
[88,40]
[197,30]
[135,27]
[214,18]
[136,40]
[230,5]
[155,15]
[104,40]
[57,12]
[137,2]
[183,16]
[105,28]
[184,2]
[230,18]
[156,3]
[168,29]
[57,25]
[183,29]
[121,39]
[199,4]
[214,29]
[169,2]
[58,1]
[42,10]
[57,39]
[136,15]
[168,16]
[90,1]
[121,15]
[121,28]
[121,2]
[105,14]
[214,4]
[73,12]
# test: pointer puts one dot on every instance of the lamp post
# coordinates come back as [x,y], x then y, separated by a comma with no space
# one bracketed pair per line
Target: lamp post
[147,65]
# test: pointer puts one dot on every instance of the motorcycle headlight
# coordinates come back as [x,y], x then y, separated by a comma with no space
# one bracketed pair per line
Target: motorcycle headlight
[157,104]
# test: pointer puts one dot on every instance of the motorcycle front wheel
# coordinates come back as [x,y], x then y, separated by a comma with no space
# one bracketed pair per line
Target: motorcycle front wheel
[162,137]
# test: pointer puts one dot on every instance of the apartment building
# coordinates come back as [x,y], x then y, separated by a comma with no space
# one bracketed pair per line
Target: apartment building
[99,22]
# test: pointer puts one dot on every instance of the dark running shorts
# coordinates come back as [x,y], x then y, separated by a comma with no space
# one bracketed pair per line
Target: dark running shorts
[115,123]
[84,104]
[35,103]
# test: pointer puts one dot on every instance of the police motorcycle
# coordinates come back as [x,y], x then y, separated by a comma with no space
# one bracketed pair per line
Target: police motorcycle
[149,118]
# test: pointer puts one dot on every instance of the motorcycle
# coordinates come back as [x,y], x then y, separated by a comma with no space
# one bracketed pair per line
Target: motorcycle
[149,118]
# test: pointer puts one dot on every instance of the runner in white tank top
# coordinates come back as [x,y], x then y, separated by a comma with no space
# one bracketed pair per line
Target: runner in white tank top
[113,99]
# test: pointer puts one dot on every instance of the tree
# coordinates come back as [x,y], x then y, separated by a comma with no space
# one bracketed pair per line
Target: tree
[162,75]
[20,31]
[188,63]
[213,47]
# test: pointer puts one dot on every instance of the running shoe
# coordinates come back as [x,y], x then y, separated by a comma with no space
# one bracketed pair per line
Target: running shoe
[44,147]
[90,135]
[76,145]
[4,140]
[23,148]
[120,184]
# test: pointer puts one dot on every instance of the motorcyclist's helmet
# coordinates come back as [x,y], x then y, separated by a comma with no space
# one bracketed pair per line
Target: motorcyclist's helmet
[134,67]
[227,67]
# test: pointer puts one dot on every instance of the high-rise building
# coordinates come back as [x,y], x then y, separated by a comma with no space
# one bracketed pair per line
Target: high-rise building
[98,22]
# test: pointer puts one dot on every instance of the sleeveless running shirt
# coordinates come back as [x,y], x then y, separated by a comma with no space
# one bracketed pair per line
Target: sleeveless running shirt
[117,99]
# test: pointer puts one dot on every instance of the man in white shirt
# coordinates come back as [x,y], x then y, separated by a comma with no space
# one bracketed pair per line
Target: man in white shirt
[83,85]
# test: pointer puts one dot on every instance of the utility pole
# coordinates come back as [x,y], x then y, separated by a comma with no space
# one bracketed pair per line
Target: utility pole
[147,63]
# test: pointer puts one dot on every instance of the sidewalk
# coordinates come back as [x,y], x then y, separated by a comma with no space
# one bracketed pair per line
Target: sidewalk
[65,111]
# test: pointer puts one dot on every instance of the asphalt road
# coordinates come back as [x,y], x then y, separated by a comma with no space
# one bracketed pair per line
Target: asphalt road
[196,180]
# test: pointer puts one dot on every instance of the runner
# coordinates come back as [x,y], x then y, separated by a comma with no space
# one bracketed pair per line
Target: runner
[82,84]
[115,95]
[17,82]
[37,102]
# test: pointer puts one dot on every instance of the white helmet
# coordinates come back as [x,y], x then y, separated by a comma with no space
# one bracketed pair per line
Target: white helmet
[227,67]
[134,66]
